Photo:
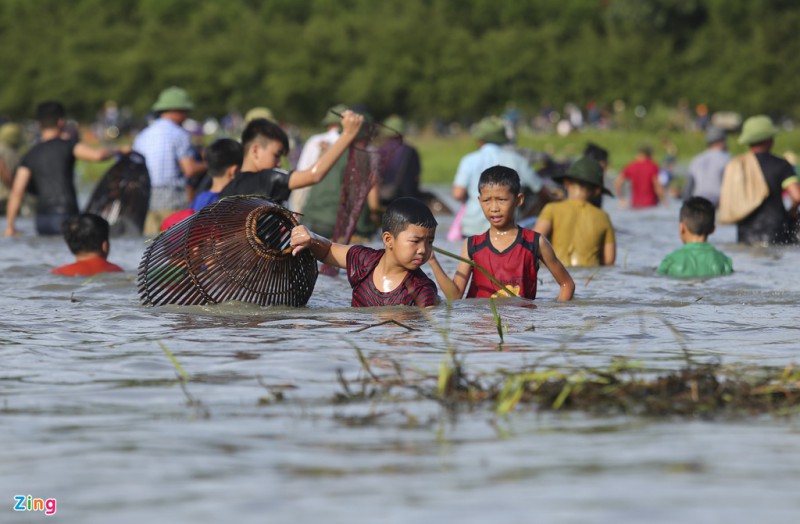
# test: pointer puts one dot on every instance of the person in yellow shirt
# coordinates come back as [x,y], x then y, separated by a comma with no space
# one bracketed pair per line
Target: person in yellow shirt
[581,233]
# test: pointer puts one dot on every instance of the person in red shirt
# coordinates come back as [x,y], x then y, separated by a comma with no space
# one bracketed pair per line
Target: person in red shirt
[87,237]
[642,173]
[511,254]
[389,276]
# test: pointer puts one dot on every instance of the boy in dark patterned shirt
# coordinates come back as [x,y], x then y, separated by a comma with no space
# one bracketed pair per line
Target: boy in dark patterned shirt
[389,276]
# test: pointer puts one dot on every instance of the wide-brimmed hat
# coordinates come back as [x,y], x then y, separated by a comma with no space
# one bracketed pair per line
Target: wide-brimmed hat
[258,112]
[173,99]
[588,171]
[714,134]
[331,116]
[393,126]
[11,134]
[491,130]
[757,129]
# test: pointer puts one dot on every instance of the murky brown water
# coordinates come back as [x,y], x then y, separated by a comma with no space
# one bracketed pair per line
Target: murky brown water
[91,413]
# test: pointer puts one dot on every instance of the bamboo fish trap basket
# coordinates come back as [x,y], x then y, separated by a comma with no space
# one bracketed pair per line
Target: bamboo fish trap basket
[234,250]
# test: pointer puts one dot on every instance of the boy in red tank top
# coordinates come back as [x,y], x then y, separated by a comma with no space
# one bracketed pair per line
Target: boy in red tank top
[389,276]
[510,253]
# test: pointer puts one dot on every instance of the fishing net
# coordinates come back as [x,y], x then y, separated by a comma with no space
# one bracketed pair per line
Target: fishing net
[237,249]
[122,196]
[365,164]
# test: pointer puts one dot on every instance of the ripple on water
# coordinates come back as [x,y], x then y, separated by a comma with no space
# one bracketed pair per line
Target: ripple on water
[93,410]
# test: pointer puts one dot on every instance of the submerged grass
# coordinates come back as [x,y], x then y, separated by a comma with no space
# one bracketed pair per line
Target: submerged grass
[183,374]
[199,409]
[497,320]
[624,387]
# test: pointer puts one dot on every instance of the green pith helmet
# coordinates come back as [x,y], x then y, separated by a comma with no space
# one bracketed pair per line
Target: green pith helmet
[330,118]
[173,99]
[757,129]
[394,123]
[258,112]
[11,134]
[491,130]
[588,171]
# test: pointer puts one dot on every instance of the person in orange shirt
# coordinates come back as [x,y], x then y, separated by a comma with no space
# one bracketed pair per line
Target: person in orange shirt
[87,237]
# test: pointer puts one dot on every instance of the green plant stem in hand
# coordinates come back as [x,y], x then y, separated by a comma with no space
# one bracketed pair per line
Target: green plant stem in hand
[478,267]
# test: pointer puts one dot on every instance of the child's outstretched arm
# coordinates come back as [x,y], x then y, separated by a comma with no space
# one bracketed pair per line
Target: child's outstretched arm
[98,154]
[557,269]
[323,249]
[543,227]
[351,123]
[21,180]
[453,288]
[618,185]
[609,254]
[661,191]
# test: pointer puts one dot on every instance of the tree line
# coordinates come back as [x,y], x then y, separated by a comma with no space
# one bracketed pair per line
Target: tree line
[426,59]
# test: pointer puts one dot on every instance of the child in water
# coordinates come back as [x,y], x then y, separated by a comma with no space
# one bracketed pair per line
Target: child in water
[265,143]
[697,258]
[87,237]
[224,159]
[581,233]
[389,276]
[510,253]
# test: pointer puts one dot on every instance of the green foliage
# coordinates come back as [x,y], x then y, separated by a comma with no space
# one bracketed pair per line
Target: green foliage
[452,59]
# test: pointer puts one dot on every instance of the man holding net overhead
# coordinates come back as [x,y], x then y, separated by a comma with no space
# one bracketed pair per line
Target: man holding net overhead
[313,149]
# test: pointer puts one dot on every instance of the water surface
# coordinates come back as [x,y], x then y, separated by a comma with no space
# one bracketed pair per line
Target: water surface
[91,412]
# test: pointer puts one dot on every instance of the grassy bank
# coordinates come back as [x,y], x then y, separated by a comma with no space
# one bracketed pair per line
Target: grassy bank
[440,155]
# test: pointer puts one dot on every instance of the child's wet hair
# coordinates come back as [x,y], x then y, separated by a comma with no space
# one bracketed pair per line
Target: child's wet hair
[265,129]
[406,211]
[500,176]
[697,214]
[85,233]
[222,154]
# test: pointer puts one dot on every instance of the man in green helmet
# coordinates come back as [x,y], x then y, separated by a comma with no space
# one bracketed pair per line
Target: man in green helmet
[167,150]
[770,222]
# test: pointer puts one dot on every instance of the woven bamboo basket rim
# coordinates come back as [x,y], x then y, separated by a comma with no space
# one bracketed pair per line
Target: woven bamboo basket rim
[257,243]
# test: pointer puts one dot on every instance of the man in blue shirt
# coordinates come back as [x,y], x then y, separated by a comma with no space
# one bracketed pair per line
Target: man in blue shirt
[167,150]
[705,169]
[491,135]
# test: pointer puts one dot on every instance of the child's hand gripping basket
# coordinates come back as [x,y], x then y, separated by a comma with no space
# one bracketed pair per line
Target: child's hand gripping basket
[234,250]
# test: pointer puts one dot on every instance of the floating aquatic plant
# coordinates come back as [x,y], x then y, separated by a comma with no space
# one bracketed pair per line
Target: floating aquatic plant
[497,320]
[201,411]
[623,387]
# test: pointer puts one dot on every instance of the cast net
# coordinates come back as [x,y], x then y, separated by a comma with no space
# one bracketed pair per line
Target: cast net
[122,196]
[234,250]
[365,164]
